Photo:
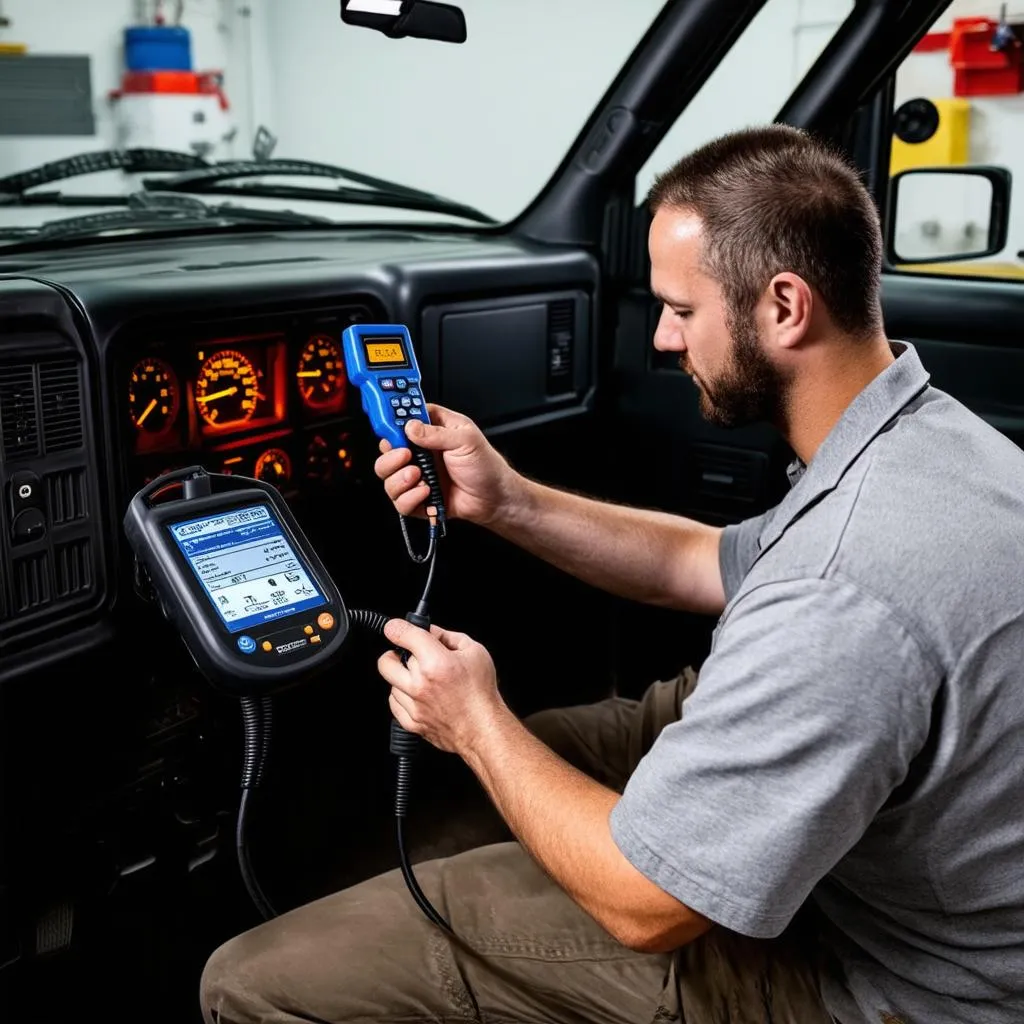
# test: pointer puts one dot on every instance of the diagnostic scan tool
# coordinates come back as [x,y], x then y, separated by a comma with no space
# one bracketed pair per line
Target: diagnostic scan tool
[380,361]
[236,576]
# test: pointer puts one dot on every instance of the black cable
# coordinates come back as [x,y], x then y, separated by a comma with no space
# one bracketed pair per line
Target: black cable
[438,517]
[404,745]
[256,721]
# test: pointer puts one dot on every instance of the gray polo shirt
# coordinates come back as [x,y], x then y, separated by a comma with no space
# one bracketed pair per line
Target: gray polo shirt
[857,734]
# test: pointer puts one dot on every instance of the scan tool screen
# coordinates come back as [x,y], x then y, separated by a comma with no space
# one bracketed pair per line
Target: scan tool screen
[382,351]
[246,566]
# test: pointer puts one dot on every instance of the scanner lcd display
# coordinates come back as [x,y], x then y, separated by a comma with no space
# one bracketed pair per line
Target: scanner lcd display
[246,566]
[385,351]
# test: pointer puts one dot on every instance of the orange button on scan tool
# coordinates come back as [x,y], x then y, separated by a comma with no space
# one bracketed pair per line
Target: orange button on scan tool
[308,630]
[315,639]
[325,620]
[267,645]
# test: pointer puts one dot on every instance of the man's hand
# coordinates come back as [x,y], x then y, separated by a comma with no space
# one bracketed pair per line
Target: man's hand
[447,692]
[476,481]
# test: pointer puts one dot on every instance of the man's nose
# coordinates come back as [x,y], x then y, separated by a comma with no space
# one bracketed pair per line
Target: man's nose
[667,336]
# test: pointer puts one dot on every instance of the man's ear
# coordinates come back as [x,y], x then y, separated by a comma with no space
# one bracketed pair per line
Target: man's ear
[788,309]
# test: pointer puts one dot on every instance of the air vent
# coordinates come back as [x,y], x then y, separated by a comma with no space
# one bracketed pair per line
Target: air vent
[61,394]
[73,567]
[31,582]
[734,474]
[66,493]
[561,335]
[18,411]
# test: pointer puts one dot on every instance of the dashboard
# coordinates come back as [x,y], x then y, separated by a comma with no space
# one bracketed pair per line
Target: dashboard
[121,362]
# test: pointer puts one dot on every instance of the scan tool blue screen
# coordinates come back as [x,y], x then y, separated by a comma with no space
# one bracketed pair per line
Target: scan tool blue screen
[246,566]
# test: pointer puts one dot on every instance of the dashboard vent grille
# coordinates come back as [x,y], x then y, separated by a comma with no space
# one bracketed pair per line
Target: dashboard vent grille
[726,473]
[73,569]
[61,394]
[66,492]
[561,342]
[31,582]
[18,411]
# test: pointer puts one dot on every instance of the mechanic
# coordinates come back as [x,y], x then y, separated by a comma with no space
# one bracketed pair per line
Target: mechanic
[829,827]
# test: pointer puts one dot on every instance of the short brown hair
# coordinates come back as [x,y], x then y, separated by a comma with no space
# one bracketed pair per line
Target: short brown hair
[774,199]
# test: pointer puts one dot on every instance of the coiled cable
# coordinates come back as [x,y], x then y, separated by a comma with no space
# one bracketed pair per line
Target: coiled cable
[256,722]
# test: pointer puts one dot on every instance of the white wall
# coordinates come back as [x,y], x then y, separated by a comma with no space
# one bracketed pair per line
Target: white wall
[754,80]
[486,122]
[220,41]
[523,83]
[996,137]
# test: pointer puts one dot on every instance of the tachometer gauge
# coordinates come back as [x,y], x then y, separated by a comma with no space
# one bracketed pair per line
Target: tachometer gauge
[226,389]
[321,373]
[153,396]
[274,467]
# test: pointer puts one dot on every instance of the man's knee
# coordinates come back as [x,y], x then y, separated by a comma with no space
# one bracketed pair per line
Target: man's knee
[223,998]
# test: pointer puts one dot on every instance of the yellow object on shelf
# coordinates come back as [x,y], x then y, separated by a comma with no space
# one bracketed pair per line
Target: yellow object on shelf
[12,48]
[948,147]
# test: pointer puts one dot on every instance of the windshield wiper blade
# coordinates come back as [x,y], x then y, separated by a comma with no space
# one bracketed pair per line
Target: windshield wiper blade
[356,196]
[146,215]
[213,179]
[133,161]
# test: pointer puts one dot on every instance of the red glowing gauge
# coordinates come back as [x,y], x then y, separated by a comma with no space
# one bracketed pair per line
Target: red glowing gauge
[321,373]
[153,397]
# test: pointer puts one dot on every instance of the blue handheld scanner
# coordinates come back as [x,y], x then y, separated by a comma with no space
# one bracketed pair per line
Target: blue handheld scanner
[380,360]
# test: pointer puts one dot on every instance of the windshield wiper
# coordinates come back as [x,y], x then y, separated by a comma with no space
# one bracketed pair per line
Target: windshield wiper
[132,161]
[216,178]
[193,174]
[148,211]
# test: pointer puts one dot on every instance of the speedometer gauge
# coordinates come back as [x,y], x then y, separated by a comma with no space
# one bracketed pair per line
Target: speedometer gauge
[152,396]
[321,373]
[226,389]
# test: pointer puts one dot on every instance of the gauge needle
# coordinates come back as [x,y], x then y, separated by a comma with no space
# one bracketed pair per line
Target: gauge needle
[145,412]
[217,394]
[310,373]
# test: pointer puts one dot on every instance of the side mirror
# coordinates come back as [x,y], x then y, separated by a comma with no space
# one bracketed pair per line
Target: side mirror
[420,19]
[942,214]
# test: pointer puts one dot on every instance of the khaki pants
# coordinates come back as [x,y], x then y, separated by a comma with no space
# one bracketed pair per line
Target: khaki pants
[525,953]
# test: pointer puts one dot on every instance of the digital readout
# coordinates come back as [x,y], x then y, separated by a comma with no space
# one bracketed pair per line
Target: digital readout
[247,568]
[385,352]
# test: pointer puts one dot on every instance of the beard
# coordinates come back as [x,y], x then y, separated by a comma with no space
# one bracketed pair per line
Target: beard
[751,389]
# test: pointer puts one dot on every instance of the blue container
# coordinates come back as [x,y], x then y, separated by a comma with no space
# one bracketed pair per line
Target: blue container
[157,48]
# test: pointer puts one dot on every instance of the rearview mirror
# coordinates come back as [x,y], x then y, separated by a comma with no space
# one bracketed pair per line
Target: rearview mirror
[941,214]
[420,19]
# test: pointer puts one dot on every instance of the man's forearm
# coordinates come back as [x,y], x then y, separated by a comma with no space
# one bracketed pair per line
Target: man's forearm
[640,554]
[561,816]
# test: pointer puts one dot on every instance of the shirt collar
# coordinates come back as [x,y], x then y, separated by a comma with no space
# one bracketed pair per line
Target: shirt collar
[862,421]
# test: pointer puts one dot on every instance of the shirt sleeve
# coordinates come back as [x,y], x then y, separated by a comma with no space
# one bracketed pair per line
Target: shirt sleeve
[807,714]
[737,550]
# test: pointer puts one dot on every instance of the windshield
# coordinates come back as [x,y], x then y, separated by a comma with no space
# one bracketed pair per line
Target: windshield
[431,131]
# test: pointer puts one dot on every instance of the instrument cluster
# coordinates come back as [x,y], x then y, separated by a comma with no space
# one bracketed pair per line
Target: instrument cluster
[274,405]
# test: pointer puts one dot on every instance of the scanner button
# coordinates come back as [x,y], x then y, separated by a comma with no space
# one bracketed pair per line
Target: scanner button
[315,639]
[417,402]
[308,630]
[396,402]
[406,402]
[246,644]
[387,384]
[325,620]
[414,391]
[401,412]
[267,646]
[401,383]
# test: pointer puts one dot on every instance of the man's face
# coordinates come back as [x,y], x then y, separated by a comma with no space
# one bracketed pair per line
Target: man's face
[723,354]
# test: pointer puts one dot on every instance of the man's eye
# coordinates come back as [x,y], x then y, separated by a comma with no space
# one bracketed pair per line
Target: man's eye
[683,313]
